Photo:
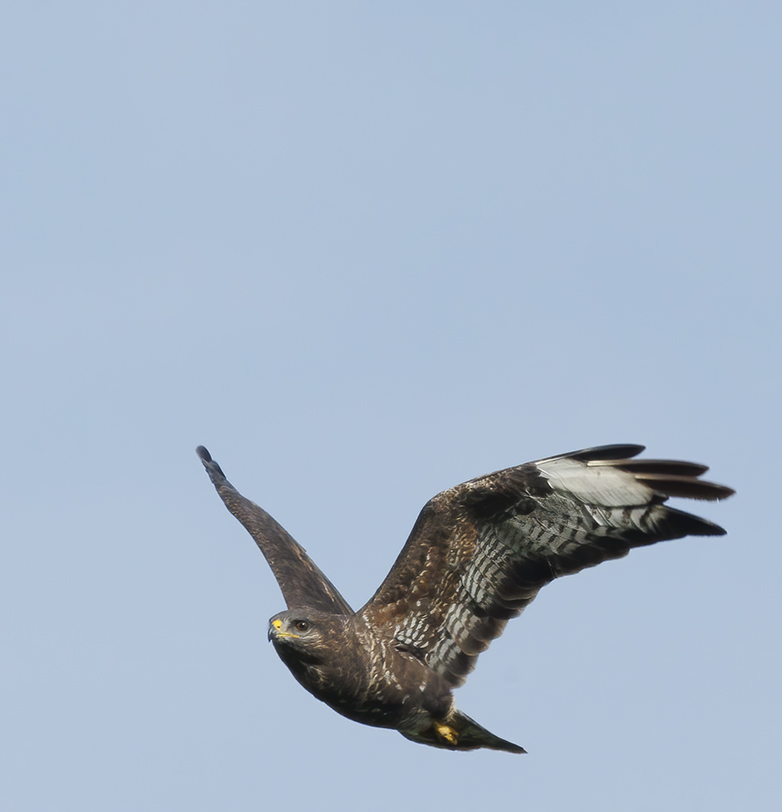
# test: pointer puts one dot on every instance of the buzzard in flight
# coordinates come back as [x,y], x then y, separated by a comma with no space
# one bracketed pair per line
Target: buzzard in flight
[477,555]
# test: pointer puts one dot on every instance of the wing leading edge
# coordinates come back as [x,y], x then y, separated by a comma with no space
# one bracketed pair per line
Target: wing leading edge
[301,581]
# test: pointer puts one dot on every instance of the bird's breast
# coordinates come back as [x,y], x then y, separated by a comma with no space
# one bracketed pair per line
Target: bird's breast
[369,680]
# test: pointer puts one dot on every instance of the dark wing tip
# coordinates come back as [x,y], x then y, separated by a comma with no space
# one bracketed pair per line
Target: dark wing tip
[689,487]
[651,466]
[204,455]
[212,468]
[677,524]
[619,451]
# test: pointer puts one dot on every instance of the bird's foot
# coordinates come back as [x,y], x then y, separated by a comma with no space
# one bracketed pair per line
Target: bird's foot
[446,734]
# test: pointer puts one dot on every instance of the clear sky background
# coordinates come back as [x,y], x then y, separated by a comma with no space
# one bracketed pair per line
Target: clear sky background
[364,252]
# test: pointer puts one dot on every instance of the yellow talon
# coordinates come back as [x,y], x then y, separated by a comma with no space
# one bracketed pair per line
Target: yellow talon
[446,733]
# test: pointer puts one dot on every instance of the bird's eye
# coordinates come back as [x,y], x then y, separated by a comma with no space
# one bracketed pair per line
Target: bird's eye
[301,625]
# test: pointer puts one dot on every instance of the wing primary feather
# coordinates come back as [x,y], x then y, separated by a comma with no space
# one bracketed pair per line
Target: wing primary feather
[685,486]
[603,452]
[676,524]
[676,467]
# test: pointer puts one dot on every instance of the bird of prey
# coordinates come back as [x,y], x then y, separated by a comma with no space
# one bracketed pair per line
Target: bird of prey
[476,557]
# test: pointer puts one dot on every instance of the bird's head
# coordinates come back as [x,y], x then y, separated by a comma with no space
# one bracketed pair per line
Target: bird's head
[306,635]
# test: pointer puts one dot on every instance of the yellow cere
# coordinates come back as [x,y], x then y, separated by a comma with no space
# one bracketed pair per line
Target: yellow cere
[278,625]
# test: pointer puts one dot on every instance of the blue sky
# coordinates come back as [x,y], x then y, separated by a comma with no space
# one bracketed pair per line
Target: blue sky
[364,253]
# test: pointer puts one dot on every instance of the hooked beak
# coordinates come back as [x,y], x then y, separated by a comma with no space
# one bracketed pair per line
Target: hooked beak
[275,633]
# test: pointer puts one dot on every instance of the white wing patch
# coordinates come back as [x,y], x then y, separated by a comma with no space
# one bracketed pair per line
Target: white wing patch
[602,485]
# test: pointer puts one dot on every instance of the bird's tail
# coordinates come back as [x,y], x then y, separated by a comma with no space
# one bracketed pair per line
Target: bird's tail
[460,732]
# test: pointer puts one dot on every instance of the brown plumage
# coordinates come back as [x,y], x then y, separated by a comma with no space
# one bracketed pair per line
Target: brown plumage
[477,555]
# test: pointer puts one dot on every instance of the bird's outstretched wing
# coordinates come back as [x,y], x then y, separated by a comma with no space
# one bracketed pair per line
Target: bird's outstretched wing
[479,552]
[303,585]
